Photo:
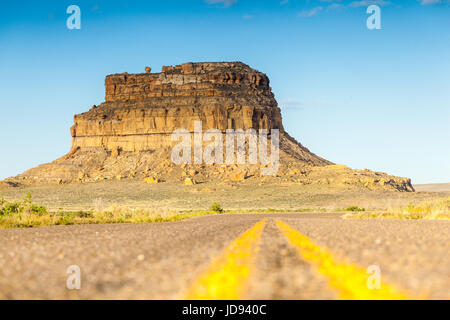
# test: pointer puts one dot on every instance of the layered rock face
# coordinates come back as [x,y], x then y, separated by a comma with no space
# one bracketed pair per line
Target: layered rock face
[142,110]
[129,135]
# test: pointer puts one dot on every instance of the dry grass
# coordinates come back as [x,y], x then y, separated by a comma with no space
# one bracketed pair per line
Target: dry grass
[25,214]
[431,210]
[114,214]
[135,201]
[246,195]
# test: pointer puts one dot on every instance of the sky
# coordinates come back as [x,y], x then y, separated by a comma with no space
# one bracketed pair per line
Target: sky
[377,99]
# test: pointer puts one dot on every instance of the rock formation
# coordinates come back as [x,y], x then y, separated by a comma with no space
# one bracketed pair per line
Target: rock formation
[129,135]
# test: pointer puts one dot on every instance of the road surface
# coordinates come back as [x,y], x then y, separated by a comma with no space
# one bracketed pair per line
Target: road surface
[237,256]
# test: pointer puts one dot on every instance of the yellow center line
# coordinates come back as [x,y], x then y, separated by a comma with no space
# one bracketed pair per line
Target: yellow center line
[349,280]
[226,277]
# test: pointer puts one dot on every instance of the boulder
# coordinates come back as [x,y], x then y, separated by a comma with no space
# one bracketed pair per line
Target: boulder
[189,181]
[152,180]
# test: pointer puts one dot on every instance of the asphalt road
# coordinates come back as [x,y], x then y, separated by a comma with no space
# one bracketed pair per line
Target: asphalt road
[166,260]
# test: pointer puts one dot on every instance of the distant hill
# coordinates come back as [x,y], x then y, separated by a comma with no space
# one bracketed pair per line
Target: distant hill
[434,187]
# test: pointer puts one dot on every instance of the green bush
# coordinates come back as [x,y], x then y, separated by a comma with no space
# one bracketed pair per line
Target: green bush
[39,210]
[25,206]
[216,207]
[10,208]
[355,209]
[77,214]
[28,199]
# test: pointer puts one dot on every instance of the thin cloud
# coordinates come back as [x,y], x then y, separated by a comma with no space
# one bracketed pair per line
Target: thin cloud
[290,103]
[247,16]
[366,3]
[429,2]
[226,3]
[335,6]
[309,13]
[284,2]
[293,104]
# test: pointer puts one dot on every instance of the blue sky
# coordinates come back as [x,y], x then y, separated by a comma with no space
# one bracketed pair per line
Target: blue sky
[377,99]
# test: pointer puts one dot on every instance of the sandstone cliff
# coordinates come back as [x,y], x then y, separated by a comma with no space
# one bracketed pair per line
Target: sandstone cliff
[129,135]
[142,110]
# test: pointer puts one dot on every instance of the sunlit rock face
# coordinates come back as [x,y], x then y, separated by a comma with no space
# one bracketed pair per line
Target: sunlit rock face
[142,110]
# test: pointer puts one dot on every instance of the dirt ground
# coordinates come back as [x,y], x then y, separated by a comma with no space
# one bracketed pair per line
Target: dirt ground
[239,195]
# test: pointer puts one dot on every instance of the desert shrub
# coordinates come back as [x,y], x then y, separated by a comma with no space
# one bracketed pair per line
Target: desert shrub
[64,220]
[10,208]
[216,207]
[25,206]
[431,209]
[39,210]
[355,209]
[28,199]
[79,214]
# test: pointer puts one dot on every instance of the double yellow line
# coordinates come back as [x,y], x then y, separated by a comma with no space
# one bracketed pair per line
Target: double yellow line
[348,280]
[227,277]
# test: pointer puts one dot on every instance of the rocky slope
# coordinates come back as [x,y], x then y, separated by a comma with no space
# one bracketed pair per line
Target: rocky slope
[129,135]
